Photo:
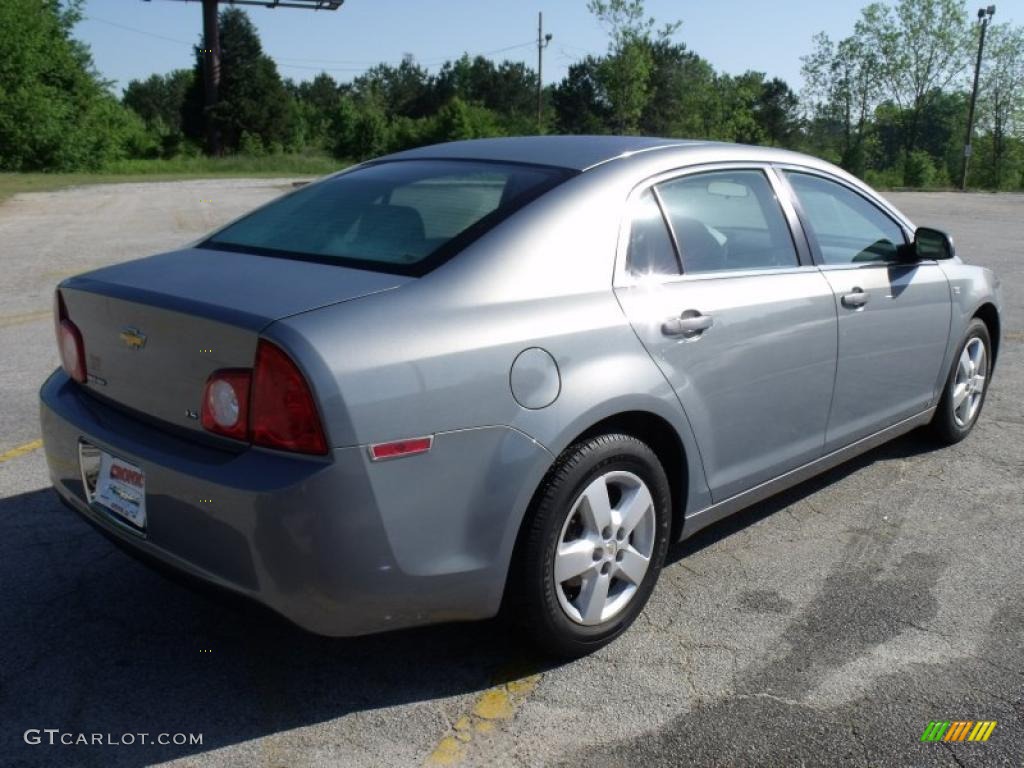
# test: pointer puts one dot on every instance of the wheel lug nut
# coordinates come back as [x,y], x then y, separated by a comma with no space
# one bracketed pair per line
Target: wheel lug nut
[621,534]
[598,554]
[606,532]
[618,556]
[605,568]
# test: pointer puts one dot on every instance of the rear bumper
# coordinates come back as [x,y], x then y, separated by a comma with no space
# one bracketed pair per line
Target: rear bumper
[340,546]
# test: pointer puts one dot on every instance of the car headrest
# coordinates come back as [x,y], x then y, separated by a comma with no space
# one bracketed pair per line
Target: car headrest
[398,223]
[699,247]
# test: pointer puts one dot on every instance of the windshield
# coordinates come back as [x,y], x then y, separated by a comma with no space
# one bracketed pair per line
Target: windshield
[405,217]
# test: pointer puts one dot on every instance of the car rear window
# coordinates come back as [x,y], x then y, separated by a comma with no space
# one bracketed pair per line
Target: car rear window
[403,216]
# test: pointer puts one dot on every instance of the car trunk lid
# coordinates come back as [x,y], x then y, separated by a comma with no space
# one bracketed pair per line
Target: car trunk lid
[156,328]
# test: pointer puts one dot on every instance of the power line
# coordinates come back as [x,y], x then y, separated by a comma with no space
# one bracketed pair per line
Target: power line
[325,69]
[509,48]
[183,42]
[139,31]
[578,48]
[341,62]
[442,59]
[284,61]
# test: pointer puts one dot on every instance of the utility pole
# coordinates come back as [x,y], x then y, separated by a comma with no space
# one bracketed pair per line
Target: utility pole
[542,42]
[984,14]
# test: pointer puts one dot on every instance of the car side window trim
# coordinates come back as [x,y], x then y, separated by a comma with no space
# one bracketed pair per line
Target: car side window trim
[669,227]
[622,276]
[780,171]
[796,226]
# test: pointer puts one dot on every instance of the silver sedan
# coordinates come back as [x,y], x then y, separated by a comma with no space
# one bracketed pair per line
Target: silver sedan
[503,374]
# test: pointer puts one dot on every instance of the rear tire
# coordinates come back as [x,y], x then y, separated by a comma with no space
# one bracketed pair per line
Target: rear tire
[592,546]
[966,386]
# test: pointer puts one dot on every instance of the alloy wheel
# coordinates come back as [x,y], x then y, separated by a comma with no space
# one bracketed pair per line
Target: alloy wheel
[969,383]
[605,548]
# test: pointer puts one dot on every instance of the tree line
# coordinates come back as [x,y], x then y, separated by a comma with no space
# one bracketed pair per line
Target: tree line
[888,102]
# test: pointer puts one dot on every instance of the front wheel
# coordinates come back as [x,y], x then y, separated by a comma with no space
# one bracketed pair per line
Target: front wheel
[966,386]
[594,545]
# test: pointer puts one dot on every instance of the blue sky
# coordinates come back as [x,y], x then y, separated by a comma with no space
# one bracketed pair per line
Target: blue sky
[734,35]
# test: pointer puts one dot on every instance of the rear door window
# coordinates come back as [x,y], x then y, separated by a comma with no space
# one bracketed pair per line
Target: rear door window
[727,220]
[651,251]
[402,216]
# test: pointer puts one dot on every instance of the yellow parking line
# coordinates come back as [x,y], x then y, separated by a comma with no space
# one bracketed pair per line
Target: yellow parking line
[26,317]
[490,708]
[21,450]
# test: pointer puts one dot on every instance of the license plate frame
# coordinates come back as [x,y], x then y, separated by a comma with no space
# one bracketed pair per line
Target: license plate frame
[116,485]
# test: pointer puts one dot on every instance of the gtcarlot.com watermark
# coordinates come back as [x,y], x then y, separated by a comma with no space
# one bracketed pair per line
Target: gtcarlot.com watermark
[57,737]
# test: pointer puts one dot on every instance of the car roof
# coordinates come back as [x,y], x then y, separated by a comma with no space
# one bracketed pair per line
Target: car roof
[577,153]
[635,155]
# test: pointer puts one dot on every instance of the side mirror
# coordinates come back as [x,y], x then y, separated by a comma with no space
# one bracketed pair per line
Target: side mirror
[933,244]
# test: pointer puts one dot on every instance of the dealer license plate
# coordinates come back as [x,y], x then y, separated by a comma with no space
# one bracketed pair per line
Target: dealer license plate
[121,488]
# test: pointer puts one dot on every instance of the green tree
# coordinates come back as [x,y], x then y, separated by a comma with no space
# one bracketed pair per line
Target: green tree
[887,137]
[360,128]
[733,117]
[252,98]
[625,72]
[508,88]
[842,86]
[409,132]
[458,120]
[402,90]
[55,111]
[322,92]
[343,127]
[626,77]
[681,93]
[370,134]
[775,112]
[158,99]
[581,106]
[1001,102]
[921,48]
[941,133]
[316,102]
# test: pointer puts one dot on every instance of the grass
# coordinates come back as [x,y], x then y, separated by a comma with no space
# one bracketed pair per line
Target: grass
[176,169]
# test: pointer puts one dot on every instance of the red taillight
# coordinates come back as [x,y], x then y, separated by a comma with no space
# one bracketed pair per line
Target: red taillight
[226,403]
[270,405]
[400,448]
[283,415]
[69,341]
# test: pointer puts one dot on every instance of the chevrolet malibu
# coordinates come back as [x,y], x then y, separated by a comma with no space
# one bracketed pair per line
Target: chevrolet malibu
[504,373]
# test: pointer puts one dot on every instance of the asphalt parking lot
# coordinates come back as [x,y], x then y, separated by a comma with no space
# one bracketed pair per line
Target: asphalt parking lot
[827,626]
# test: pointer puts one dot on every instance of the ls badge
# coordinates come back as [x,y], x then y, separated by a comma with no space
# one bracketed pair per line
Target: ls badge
[133,338]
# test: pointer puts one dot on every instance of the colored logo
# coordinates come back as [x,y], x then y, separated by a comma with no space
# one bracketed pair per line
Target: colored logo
[958,730]
[133,338]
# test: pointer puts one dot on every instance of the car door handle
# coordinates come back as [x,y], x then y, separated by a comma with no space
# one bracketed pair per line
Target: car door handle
[856,298]
[688,325]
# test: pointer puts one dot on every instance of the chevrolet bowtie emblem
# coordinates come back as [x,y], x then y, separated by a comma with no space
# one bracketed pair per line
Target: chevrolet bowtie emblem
[133,338]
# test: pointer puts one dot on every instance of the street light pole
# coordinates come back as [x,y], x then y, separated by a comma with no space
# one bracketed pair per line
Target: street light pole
[984,14]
